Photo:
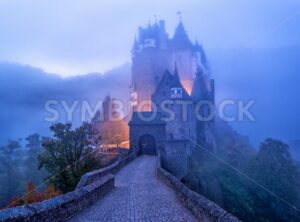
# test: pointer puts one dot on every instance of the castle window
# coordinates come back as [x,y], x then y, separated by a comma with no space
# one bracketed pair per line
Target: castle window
[176,93]
[133,99]
[149,43]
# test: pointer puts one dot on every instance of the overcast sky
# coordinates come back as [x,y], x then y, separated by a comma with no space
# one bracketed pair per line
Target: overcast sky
[70,37]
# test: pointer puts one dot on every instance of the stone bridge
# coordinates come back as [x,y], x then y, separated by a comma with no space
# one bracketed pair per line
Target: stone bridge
[135,188]
[138,196]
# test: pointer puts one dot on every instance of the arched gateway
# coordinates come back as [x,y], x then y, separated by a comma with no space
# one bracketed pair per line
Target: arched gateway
[146,133]
[147,145]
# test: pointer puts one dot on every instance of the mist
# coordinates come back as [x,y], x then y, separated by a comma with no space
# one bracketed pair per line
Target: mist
[74,52]
[96,37]
[267,76]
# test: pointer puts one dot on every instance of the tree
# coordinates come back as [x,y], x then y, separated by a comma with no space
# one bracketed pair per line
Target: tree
[261,186]
[274,169]
[34,148]
[50,192]
[69,155]
[14,202]
[10,175]
[32,195]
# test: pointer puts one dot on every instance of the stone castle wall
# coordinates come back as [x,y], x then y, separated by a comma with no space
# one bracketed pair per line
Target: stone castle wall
[137,131]
[176,157]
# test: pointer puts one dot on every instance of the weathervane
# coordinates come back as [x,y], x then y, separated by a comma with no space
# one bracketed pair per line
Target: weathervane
[179,15]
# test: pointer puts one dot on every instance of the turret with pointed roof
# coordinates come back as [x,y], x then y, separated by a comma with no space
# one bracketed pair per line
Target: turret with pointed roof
[199,91]
[197,47]
[180,39]
[134,46]
[166,90]
[169,85]
[150,62]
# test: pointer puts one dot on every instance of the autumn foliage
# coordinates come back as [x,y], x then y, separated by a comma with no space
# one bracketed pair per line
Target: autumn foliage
[32,195]
[14,202]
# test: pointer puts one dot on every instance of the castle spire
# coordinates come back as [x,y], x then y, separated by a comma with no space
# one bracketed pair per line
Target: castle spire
[203,57]
[180,39]
[135,44]
[180,31]
[176,79]
[155,18]
[179,15]
[197,47]
[176,75]
[199,91]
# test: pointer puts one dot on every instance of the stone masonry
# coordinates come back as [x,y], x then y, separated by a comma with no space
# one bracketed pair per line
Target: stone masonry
[138,196]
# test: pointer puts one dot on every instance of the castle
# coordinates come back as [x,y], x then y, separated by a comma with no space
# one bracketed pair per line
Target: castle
[170,78]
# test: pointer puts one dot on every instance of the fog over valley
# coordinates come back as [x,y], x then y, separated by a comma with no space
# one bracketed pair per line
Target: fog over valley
[268,76]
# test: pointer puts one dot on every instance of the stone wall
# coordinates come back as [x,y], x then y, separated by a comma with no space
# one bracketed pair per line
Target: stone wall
[204,209]
[175,157]
[95,175]
[91,187]
[60,208]
[136,131]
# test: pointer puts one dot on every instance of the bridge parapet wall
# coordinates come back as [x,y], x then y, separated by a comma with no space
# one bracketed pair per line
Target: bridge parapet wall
[95,175]
[60,208]
[204,209]
[91,187]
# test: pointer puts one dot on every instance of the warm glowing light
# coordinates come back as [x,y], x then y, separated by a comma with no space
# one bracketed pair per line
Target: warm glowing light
[125,144]
[114,133]
[187,85]
[144,106]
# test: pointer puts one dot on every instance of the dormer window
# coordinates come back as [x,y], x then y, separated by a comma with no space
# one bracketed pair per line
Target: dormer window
[149,43]
[176,93]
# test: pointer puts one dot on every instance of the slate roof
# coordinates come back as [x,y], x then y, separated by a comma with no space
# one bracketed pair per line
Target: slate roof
[199,91]
[140,118]
[170,81]
[180,39]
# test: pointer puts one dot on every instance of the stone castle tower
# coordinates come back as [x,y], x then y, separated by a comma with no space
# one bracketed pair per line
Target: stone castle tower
[154,52]
[173,70]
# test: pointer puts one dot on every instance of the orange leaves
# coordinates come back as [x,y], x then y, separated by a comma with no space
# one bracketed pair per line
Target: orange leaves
[50,192]
[32,195]
[14,202]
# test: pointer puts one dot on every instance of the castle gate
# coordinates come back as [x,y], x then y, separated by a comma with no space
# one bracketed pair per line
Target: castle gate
[146,135]
[147,145]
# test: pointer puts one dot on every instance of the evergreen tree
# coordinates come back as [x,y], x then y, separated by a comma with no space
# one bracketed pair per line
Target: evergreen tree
[261,186]
[274,169]
[34,148]
[10,175]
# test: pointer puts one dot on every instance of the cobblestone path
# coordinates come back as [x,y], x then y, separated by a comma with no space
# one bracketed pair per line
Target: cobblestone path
[138,196]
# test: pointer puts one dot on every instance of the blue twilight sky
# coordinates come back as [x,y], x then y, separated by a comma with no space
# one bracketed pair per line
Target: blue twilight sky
[71,37]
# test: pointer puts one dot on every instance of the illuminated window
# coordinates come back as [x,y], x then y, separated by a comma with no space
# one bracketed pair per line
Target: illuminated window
[133,98]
